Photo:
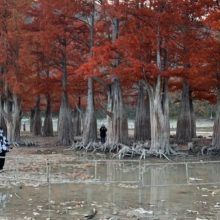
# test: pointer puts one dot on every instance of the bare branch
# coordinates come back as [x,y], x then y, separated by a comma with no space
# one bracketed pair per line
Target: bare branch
[100,81]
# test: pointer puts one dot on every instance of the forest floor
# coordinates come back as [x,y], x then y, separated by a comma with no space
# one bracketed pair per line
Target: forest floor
[47,147]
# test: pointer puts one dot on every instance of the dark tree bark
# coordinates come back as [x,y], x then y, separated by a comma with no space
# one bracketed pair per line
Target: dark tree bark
[76,122]
[48,122]
[216,128]
[142,118]
[65,126]
[17,115]
[193,117]
[31,120]
[3,124]
[37,123]
[186,119]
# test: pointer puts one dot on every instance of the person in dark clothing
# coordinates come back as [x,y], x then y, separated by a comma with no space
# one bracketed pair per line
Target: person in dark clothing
[4,148]
[103,131]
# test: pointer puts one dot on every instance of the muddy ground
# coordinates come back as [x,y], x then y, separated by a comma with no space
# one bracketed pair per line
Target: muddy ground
[48,147]
[74,190]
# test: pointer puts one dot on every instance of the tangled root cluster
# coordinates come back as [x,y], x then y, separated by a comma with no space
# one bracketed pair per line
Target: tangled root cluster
[141,150]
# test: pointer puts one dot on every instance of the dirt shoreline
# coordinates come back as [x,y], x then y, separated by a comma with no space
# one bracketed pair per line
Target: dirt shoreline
[46,147]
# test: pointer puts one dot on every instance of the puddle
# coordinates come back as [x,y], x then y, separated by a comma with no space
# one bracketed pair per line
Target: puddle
[115,189]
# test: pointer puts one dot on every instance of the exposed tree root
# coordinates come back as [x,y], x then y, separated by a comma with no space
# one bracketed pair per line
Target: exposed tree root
[24,144]
[122,151]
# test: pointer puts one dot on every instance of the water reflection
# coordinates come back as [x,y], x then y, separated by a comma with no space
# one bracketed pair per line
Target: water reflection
[3,199]
[137,188]
[124,189]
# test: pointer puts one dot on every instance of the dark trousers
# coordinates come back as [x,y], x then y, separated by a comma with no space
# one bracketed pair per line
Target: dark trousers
[103,140]
[2,160]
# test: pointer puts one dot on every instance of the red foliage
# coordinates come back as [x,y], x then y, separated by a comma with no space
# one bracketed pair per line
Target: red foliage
[36,37]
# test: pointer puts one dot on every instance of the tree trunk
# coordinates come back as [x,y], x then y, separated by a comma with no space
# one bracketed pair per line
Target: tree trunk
[3,124]
[48,122]
[11,111]
[117,120]
[185,123]
[193,117]
[37,123]
[90,123]
[159,106]
[65,126]
[16,117]
[166,116]
[9,129]
[118,124]
[76,122]
[159,111]
[32,120]
[142,119]
[7,113]
[216,128]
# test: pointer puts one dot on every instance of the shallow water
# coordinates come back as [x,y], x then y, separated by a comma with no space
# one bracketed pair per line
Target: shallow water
[117,189]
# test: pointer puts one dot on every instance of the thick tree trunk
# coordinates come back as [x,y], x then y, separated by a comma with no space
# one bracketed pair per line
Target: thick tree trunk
[11,111]
[159,108]
[76,122]
[216,128]
[110,114]
[7,107]
[193,117]
[32,119]
[142,119]
[48,122]
[65,126]
[186,122]
[37,124]
[117,118]
[118,124]
[9,128]
[166,116]
[90,123]
[17,115]
[2,123]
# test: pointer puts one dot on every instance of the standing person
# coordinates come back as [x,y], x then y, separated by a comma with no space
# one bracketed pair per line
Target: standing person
[103,131]
[4,148]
